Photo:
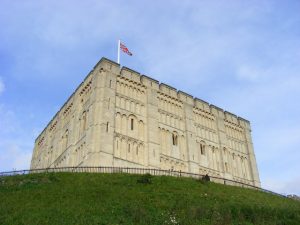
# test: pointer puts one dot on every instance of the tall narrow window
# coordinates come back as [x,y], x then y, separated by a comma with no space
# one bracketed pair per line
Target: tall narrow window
[128,147]
[131,124]
[65,139]
[226,167]
[202,149]
[110,83]
[83,120]
[107,126]
[175,139]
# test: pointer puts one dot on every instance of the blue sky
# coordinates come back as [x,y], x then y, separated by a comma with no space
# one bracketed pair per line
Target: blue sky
[242,56]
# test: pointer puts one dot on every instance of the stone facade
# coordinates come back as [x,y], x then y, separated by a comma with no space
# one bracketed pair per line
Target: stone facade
[117,117]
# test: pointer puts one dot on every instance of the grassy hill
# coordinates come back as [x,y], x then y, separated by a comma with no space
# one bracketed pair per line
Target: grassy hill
[86,198]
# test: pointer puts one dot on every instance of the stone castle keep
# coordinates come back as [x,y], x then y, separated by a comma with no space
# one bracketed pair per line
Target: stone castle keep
[117,117]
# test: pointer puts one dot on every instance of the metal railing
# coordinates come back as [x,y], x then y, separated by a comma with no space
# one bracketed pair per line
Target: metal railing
[155,172]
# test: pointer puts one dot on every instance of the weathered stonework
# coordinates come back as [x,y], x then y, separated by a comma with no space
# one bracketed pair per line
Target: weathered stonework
[117,117]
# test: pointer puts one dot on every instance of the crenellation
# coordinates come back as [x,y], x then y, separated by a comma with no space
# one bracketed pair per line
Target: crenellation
[130,74]
[107,65]
[164,88]
[150,82]
[216,111]
[118,117]
[203,105]
[231,117]
[244,123]
[184,97]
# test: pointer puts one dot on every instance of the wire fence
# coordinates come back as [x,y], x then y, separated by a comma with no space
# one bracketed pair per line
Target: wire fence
[155,172]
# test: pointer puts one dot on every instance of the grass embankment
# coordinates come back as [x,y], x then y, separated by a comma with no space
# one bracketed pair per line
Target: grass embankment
[74,198]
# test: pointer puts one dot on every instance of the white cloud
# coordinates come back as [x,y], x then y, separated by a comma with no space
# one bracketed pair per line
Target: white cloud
[290,186]
[2,86]
[14,157]
[16,142]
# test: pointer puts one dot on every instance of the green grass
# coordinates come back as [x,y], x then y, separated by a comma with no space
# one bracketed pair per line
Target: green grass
[86,198]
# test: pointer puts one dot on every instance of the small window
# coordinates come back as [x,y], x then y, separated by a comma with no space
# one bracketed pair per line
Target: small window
[202,149]
[128,147]
[175,139]
[107,126]
[131,124]
[84,120]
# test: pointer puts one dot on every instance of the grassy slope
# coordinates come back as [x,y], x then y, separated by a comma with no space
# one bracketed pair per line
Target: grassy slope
[67,198]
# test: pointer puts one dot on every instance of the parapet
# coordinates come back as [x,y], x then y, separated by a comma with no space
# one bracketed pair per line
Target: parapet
[168,90]
[130,74]
[231,117]
[244,123]
[199,103]
[149,82]
[108,64]
[217,111]
[185,97]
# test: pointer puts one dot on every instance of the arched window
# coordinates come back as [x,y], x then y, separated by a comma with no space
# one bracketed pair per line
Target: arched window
[83,121]
[65,139]
[226,167]
[131,123]
[175,139]
[202,149]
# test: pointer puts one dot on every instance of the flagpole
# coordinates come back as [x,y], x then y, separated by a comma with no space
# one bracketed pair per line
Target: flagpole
[119,41]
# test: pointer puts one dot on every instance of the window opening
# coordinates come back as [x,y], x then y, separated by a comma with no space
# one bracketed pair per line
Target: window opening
[131,124]
[175,139]
[202,149]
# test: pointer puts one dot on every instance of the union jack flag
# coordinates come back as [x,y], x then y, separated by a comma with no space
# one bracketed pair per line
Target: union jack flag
[125,49]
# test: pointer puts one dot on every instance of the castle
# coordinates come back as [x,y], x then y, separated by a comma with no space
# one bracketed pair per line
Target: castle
[118,117]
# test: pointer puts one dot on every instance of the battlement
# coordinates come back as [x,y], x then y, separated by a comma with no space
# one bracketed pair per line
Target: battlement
[105,64]
[130,74]
[178,94]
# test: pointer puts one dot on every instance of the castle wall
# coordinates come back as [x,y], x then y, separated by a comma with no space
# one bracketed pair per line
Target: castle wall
[118,117]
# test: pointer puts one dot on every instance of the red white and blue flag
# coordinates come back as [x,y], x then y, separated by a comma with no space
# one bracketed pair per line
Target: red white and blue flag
[125,49]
